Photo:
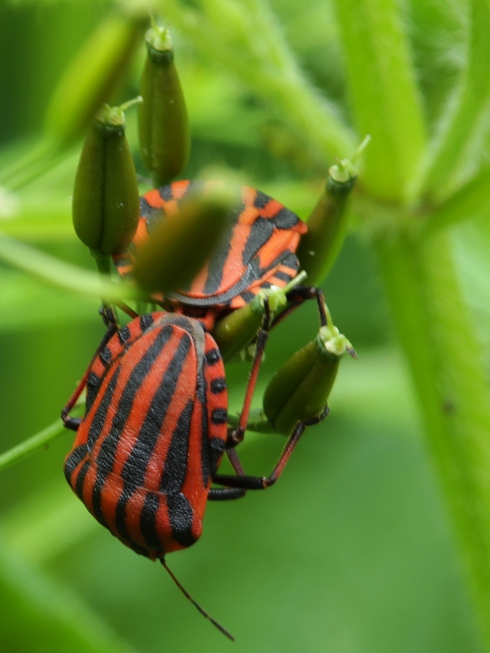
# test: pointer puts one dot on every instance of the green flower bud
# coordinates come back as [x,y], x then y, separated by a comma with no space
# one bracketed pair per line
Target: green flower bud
[299,390]
[327,224]
[92,76]
[164,133]
[235,331]
[182,243]
[106,198]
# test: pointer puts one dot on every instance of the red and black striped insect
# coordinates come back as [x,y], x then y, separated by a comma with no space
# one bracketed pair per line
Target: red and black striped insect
[155,428]
[154,432]
[257,250]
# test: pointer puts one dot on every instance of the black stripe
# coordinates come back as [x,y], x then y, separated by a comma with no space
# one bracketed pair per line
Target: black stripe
[74,459]
[93,379]
[247,296]
[288,259]
[81,479]
[252,274]
[134,469]
[98,420]
[260,232]
[140,550]
[145,208]
[146,321]
[124,334]
[166,192]
[261,200]
[213,356]
[219,416]
[175,468]
[218,385]
[180,512]
[285,219]
[94,433]
[105,355]
[220,256]
[93,382]
[120,516]
[283,276]
[148,521]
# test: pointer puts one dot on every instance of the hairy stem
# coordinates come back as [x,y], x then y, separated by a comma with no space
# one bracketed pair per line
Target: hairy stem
[445,364]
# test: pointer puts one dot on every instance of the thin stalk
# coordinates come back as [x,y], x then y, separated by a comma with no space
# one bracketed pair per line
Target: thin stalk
[447,372]
[384,92]
[32,444]
[103,263]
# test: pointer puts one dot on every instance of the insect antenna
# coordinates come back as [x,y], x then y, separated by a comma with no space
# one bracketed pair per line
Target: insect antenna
[201,610]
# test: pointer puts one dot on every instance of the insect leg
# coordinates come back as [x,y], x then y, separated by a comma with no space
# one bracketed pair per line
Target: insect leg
[263,482]
[225,493]
[110,320]
[237,434]
[297,296]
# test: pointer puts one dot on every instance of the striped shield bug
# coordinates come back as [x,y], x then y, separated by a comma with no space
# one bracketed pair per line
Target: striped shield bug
[148,448]
[257,250]
[147,451]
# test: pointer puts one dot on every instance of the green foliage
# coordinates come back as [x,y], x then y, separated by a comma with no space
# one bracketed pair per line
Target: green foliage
[356,549]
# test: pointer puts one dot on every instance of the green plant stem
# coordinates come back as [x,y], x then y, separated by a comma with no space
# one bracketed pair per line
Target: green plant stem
[384,92]
[465,123]
[470,201]
[445,364]
[26,448]
[103,263]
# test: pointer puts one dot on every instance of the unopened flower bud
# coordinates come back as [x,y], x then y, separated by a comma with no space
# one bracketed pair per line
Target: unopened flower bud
[163,126]
[106,198]
[299,390]
[327,224]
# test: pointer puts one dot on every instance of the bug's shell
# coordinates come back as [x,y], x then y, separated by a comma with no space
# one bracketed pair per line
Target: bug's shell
[257,250]
[153,433]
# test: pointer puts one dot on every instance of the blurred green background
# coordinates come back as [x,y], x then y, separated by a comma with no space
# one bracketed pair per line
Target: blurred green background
[352,551]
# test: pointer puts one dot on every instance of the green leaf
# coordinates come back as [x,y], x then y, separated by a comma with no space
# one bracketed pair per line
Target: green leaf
[384,93]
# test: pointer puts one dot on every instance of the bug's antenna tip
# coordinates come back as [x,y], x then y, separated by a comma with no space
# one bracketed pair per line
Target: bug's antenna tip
[205,614]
